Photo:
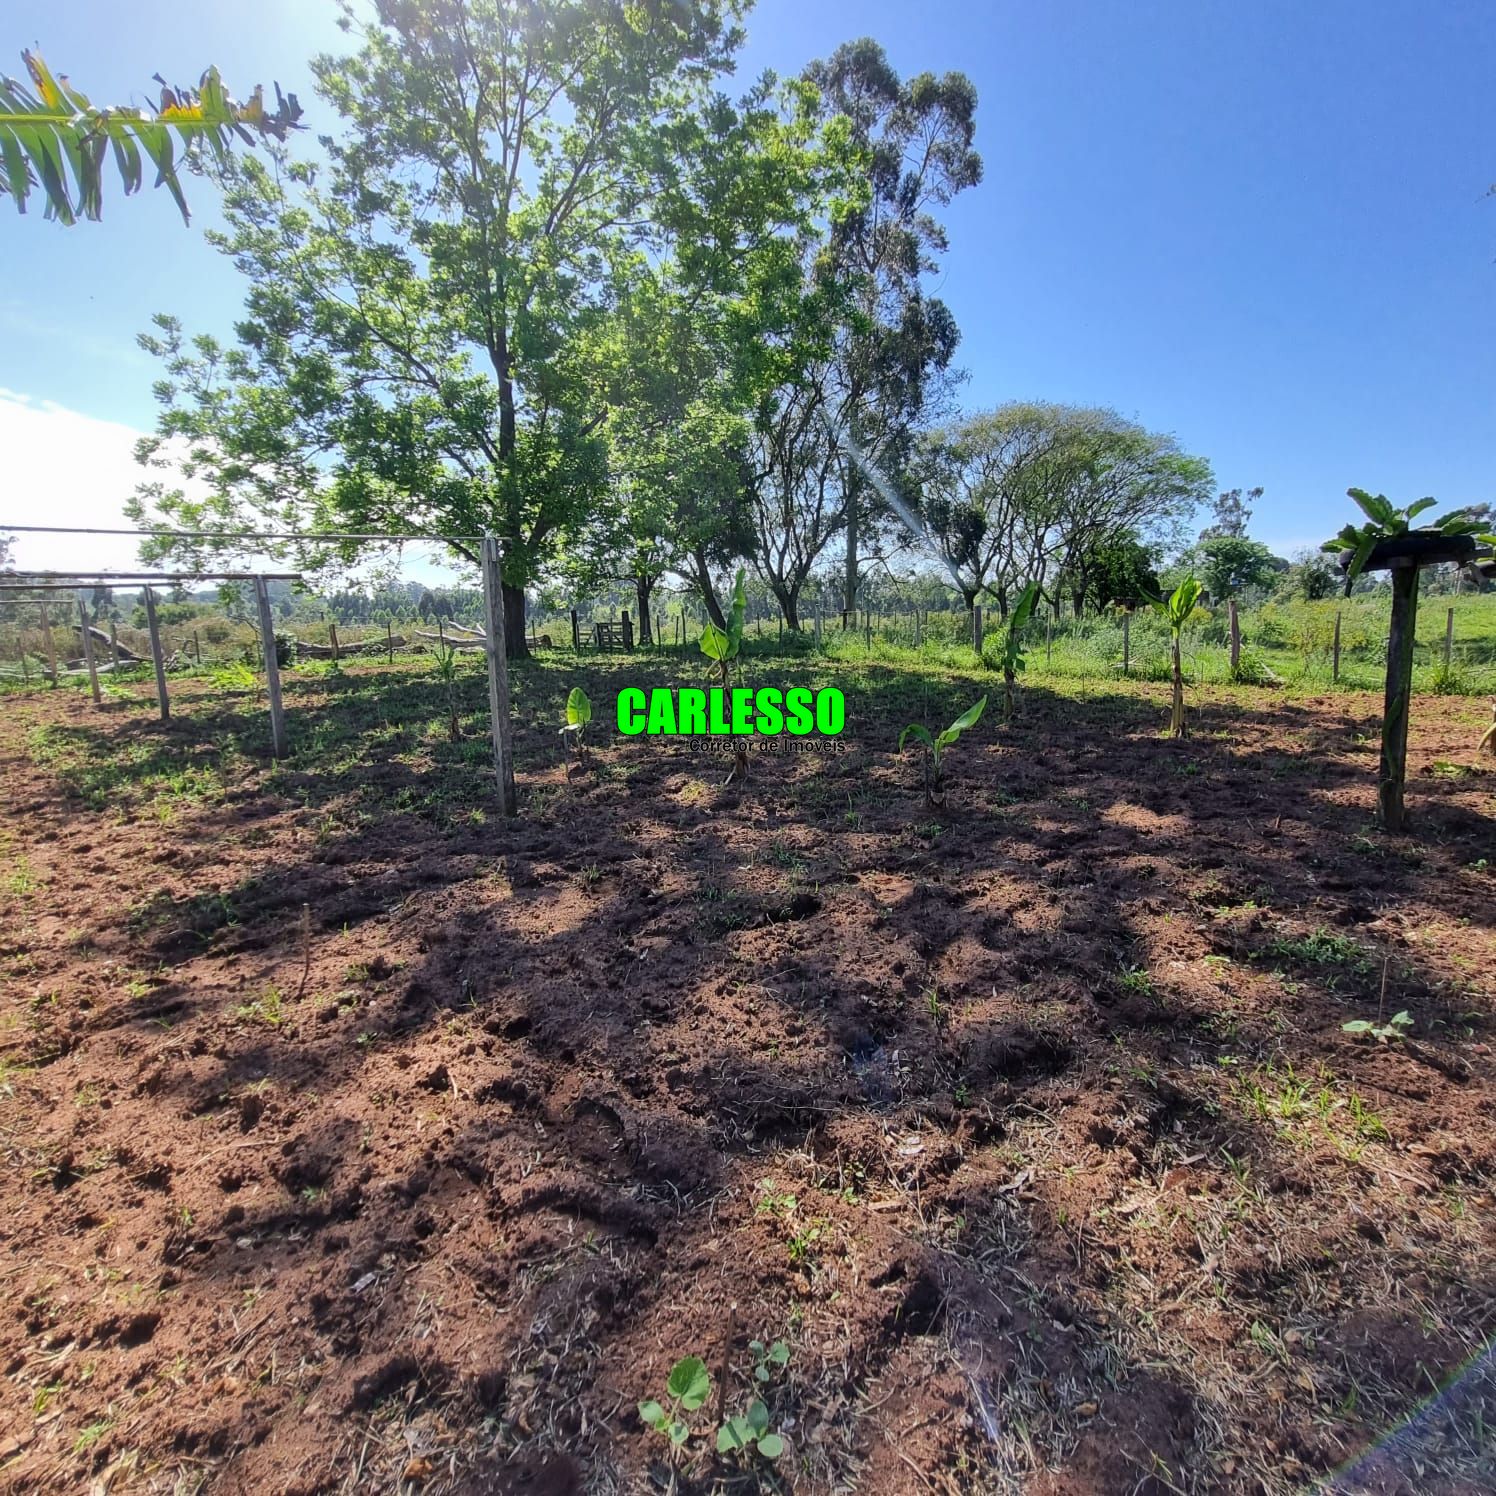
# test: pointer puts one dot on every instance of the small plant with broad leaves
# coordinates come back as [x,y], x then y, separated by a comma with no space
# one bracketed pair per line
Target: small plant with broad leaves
[1395,1027]
[1385,521]
[1010,655]
[767,1359]
[749,1433]
[722,646]
[578,715]
[1177,610]
[688,1387]
[935,748]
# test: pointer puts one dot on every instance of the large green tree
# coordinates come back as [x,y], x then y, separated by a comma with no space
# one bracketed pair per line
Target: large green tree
[699,339]
[429,341]
[1041,492]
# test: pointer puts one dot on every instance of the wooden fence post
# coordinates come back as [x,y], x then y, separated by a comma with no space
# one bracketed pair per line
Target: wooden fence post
[389,639]
[1395,704]
[332,635]
[1235,638]
[1049,638]
[114,643]
[818,625]
[278,744]
[1448,640]
[88,655]
[50,643]
[197,649]
[498,672]
[1126,643]
[157,659]
[576,632]
[1335,667]
[976,627]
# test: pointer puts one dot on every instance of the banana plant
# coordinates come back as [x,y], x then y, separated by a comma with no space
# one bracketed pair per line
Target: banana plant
[1177,609]
[1385,521]
[1011,654]
[935,749]
[722,646]
[52,137]
[444,667]
[578,715]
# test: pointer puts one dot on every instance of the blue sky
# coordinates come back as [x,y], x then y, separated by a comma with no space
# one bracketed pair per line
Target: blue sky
[1260,226]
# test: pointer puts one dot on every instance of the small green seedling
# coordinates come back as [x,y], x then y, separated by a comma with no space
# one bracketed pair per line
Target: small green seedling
[750,1431]
[1177,609]
[1395,1027]
[721,647]
[935,748]
[1384,521]
[688,1388]
[578,715]
[767,1359]
[1011,654]
[444,667]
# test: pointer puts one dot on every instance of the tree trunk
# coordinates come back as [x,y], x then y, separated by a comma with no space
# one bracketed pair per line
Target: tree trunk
[849,588]
[516,645]
[789,605]
[643,587]
[708,592]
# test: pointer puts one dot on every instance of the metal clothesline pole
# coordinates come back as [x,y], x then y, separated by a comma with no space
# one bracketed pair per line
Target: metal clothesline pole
[237,534]
[77,581]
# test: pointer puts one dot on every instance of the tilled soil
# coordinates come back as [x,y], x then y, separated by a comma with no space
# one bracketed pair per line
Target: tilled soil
[359,1140]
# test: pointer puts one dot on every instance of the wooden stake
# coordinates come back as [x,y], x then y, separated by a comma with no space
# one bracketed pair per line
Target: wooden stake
[114,642]
[332,636]
[1448,639]
[1235,638]
[88,655]
[498,672]
[1049,637]
[197,649]
[976,627]
[50,643]
[726,1362]
[818,625]
[156,656]
[278,743]
[1126,643]
[918,638]
[1335,667]
[1394,764]
[306,947]
[389,639]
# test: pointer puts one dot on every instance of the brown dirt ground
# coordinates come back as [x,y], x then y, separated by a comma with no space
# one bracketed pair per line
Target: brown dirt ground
[1029,1125]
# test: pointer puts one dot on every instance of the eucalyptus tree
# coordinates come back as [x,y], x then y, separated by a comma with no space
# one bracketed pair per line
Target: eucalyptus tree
[430,342]
[896,343]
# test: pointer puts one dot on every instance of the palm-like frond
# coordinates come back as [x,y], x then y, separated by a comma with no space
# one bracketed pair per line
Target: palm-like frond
[53,138]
